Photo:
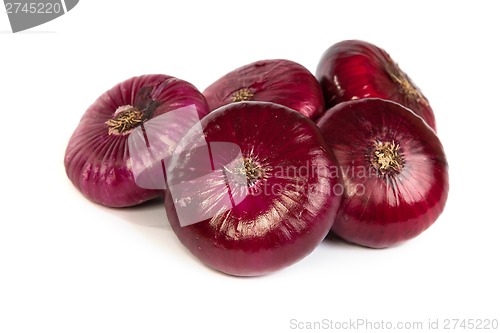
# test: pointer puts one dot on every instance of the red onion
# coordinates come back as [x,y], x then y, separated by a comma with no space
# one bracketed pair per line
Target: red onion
[355,69]
[279,81]
[394,170]
[250,189]
[109,155]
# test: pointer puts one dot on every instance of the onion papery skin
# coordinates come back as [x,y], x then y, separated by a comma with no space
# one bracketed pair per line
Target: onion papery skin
[278,81]
[355,69]
[275,220]
[381,209]
[98,162]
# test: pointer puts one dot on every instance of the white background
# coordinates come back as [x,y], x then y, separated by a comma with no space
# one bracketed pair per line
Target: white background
[68,265]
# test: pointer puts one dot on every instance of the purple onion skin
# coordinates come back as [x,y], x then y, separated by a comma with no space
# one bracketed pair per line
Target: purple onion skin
[278,81]
[98,163]
[269,229]
[354,69]
[381,209]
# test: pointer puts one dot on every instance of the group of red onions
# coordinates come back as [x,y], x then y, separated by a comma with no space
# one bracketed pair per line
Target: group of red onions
[261,166]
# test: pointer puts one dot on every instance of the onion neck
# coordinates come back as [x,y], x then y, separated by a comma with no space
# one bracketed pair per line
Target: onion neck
[124,120]
[405,85]
[244,94]
[247,173]
[386,158]
[253,171]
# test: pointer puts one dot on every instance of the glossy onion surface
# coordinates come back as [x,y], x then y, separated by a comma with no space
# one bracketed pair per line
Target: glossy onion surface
[251,189]
[98,159]
[279,81]
[355,69]
[394,170]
